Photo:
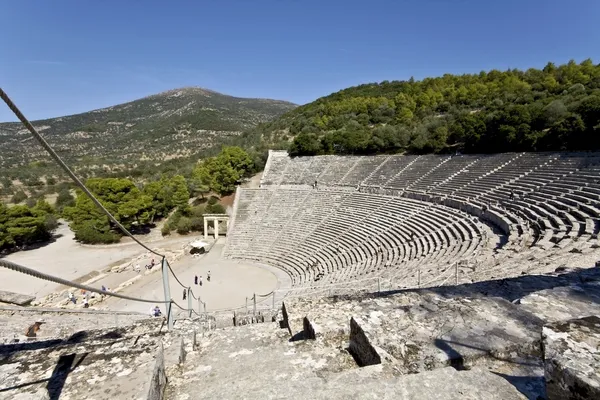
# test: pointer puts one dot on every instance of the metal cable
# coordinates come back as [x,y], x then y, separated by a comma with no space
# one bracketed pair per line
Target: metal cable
[66,168]
[175,276]
[40,275]
[265,295]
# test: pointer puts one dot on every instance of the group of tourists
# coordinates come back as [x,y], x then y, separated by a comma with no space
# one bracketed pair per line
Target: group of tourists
[85,295]
[197,281]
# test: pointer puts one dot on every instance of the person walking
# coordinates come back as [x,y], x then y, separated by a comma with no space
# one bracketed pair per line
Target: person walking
[208,277]
[196,280]
[184,294]
[200,280]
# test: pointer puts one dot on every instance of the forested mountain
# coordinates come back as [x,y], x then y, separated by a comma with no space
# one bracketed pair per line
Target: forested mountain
[556,108]
[135,136]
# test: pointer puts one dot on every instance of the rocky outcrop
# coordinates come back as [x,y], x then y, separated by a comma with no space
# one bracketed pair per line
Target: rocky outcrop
[572,359]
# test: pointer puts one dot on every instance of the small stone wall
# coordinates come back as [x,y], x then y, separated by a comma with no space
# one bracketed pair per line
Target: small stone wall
[360,346]
[158,382]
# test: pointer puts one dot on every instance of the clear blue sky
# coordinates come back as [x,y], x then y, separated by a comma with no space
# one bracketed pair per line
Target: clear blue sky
[67,56]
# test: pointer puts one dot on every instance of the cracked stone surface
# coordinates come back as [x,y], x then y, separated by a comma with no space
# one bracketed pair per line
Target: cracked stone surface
[490,332]
[58,323]
[572,359]
[261,362]
[421,331]
[111,363]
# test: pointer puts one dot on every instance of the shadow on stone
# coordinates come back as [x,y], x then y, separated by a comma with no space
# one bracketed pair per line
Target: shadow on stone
[512,289]
[77,337]
[456,359]
[530,386]
[8,349]
[65,365]
[298,336]
[112,335]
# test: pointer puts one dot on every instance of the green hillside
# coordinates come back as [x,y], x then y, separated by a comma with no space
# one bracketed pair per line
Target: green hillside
[146,136]
[556,108]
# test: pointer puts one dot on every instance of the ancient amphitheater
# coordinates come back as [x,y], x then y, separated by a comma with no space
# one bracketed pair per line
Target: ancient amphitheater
[411,277]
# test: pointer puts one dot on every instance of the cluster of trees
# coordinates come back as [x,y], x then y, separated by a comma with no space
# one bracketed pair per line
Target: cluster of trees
[135,208]
[22,225]
[555,108]
[221,174]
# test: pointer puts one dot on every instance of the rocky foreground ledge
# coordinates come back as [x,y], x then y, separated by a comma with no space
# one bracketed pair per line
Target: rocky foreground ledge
[505,339]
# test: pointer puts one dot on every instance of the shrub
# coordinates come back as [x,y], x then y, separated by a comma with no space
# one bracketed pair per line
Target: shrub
[197,212]
[197,224]
[50,222]
[64,199]
[18,197]
[184,225]
[215,209]
[165,230]
[87,233]
[213,200]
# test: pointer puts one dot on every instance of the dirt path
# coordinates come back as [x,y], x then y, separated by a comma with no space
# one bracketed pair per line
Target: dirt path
[231,282]
[70,260]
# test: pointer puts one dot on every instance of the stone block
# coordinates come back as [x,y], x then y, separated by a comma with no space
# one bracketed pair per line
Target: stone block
[285,323]
[309,329]
[572,359]
[15,298]
[360,346]
[158,381]
[182,352]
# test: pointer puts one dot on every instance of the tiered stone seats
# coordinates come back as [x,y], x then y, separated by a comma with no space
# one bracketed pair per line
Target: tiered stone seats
[275,167]
[391,215]
[415,171]
[295,169]
[392,166]
[364,167]
[444,172]
[331,236]
[338,168]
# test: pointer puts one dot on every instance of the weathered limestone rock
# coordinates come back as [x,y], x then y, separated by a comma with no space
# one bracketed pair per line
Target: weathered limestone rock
[423,331]
[572,359]
[58,323]
[360,346]
[110,363]
[259,362]
[564,302]
[15,298]
[158,380]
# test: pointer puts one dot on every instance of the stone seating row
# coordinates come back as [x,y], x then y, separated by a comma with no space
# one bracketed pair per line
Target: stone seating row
[556,204]
[333,236]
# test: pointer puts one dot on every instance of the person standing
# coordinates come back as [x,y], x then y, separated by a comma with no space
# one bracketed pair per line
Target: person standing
[184,294]
[196,280]
[208,276]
